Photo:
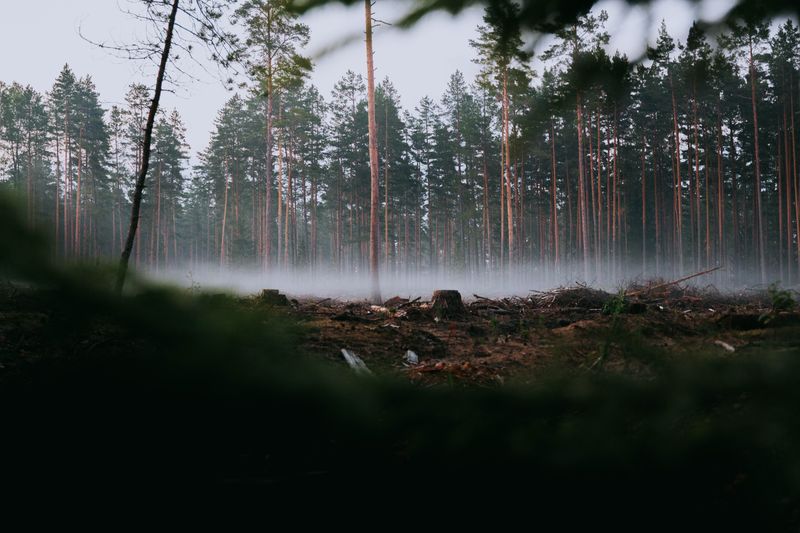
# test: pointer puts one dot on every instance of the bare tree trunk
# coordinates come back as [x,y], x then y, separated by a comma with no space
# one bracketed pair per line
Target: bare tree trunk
[502,210]
[487,232]
[734,199]
[759,214]
[678,183]
[268,202]
[174,237]
[507,171]
[720,194]
[222,254]
[794,172]
[67,167]
[570,229]
[656,211]
[77,235]
[279,178]
[644,212]
[553,204]
[597,214]
[592,235]
[373,160]
[610,191]
[616,191]
[787,195]
[708,209]
[582,229]
[314,221]
[157,221]
[58,180]
[29,183]
[519,184]
[386,181]
[148,136]
[288,210]
[779,177]
[696,202]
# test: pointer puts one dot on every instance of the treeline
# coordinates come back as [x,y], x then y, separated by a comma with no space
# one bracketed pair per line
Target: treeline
[74,163]
[595,168]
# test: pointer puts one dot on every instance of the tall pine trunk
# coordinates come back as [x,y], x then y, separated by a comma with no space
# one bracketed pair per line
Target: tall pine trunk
[678,183]
[759,215]
[507,171]
[375,292]
[582,227]
[553,204]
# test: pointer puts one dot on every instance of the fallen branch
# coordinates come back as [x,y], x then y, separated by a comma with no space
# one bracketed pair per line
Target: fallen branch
[495,310]
[415,300]
[671,283]
[724,345]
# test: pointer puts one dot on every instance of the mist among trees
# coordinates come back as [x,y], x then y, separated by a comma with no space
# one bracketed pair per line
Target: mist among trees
[590,168]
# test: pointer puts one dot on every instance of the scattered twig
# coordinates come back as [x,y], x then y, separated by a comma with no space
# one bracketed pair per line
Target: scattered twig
[415,300]
[671,283]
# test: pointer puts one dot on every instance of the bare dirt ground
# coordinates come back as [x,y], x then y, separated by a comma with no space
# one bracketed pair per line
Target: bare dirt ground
[575,329]
[488,342]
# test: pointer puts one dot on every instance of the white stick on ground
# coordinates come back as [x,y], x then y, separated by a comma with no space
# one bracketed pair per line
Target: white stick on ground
[724,345]
[355,362]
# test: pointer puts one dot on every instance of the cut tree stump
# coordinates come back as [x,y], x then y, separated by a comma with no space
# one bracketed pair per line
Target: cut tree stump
[273,297]
[447,304]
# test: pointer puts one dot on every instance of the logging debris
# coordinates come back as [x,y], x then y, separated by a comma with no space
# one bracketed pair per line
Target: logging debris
[567,328]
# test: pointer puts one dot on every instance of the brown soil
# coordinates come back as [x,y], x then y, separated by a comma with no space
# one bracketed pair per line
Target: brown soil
[575,329]
[491,342]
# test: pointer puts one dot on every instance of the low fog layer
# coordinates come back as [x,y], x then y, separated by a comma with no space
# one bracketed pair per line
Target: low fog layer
[355,285]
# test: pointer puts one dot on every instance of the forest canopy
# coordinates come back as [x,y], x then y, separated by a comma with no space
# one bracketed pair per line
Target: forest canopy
[591,166]
[552,16]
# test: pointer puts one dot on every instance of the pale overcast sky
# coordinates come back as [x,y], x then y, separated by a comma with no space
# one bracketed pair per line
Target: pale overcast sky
[38,36]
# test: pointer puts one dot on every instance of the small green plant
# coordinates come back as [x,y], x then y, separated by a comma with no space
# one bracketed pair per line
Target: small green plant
[524,329]
[782,299]
[616,305]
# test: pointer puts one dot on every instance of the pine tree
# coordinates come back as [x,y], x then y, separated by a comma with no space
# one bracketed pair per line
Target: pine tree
[500,48]
[747,39]
[273,38]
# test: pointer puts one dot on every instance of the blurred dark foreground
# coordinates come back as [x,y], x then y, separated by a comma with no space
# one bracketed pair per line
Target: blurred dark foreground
[164,400]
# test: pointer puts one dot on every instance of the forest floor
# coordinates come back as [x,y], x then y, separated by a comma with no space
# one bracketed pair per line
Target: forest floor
[574,329]
[201,394]
[492,342]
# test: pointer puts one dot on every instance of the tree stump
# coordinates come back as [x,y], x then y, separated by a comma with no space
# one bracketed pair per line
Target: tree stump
[273,297]
[448,304]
